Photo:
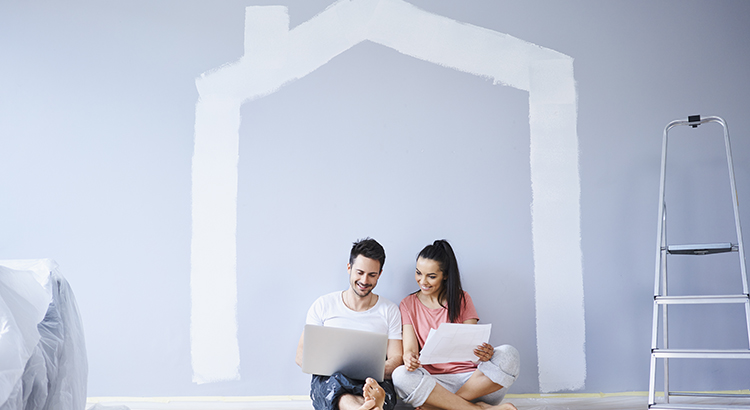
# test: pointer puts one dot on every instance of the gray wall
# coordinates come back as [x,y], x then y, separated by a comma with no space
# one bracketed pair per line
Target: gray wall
[97,117]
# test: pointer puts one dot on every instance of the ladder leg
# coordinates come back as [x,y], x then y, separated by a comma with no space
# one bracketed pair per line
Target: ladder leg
[665,313]
[652,382]
[735,206]
[654,345]
[666,361]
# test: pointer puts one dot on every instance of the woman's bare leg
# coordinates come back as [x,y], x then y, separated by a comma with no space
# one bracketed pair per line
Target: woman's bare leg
[477,386]
[442,398]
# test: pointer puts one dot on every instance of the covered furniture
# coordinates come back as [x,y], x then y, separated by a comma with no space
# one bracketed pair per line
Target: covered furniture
[42,350]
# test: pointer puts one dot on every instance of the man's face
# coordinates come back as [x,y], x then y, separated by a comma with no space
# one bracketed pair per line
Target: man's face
[363,275]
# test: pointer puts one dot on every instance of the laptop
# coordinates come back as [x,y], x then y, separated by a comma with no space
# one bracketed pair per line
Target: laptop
[355,353]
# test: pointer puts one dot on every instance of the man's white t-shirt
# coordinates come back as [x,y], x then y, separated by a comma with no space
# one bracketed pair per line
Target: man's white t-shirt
[330,310]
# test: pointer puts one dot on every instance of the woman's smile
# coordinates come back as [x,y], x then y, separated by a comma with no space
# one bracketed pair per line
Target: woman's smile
[429,276]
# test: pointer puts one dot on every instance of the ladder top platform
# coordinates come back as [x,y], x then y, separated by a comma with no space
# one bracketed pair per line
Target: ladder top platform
[701,249]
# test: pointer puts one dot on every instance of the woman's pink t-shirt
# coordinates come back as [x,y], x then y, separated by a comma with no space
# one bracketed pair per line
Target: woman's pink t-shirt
[414,313]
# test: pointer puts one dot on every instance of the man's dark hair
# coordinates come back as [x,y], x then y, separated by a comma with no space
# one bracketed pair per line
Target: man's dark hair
[369,248]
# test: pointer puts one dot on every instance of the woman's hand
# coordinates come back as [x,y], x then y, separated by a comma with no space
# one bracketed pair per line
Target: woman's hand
[484,352]
[411,361]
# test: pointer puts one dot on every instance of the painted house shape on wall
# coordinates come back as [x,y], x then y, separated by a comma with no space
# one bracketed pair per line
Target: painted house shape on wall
[275,56]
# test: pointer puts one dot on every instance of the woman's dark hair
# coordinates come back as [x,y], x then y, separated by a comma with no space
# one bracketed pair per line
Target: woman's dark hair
[441,252]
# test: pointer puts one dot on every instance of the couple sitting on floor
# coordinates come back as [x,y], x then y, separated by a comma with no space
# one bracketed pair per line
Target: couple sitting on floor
[440,299]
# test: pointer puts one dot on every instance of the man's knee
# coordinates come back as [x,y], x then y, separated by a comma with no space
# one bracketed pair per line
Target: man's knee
[325,391]
[349,401]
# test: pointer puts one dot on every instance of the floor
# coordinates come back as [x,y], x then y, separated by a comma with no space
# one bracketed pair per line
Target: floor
[622,401]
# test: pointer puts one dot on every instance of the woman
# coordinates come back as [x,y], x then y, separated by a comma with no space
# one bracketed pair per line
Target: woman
[460,385]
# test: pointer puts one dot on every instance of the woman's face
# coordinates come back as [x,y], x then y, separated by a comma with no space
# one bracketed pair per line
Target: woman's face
[429,276]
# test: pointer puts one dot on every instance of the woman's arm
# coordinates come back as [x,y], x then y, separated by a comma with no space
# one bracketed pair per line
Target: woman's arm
[411,348]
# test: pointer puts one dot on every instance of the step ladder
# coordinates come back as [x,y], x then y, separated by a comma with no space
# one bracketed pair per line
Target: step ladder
[661,351]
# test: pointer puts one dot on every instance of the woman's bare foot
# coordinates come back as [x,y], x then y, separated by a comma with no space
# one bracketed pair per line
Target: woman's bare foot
[503,406]
[374,395]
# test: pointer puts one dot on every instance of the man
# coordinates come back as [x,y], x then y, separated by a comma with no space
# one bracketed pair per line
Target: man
[357,308]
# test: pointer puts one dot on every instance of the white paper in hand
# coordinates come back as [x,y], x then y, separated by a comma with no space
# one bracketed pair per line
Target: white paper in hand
[454,342]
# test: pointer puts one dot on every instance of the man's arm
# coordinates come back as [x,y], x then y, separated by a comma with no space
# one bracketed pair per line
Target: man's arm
[393,356]
[300,345]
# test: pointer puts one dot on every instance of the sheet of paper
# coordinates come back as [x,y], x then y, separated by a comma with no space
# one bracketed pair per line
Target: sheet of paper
[454,342]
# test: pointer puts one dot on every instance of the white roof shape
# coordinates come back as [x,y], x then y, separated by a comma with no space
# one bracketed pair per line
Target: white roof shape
[276,56]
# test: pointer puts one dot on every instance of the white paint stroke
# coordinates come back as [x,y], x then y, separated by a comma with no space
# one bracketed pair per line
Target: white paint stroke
[213,258]
[275,56]
[558,278]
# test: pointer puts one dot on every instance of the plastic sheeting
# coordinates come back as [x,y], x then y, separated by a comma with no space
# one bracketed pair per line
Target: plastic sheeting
[582,403]
[99,406]
[43,363]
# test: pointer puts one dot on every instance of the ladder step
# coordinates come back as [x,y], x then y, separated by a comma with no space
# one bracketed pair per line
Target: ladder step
[701,248]
[693,406]
[702,299]
[701,354]
[710,394]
